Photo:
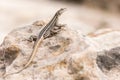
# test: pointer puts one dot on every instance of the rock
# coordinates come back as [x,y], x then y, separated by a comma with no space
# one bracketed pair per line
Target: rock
[67,55]
[50,60]
[100,61]
[2,65]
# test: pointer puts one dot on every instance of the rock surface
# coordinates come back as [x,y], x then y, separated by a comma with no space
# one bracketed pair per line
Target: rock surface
[68,55]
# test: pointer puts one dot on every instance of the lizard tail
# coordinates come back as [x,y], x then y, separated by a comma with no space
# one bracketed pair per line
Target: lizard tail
[29,61]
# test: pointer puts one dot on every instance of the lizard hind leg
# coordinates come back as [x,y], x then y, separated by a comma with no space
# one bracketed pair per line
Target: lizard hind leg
[47,35]
[32,38]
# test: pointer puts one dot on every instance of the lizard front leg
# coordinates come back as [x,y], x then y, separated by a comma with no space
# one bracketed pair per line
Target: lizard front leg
[57,29]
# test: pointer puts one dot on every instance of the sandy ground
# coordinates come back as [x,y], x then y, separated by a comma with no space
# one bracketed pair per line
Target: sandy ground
[17,13]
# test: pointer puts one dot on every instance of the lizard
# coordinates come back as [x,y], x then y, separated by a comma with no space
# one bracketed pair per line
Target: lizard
[44,33]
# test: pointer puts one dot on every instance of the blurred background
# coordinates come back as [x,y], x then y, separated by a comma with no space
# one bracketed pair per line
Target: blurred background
[86,15]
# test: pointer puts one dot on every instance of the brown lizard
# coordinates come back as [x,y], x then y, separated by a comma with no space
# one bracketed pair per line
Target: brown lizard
[44,33]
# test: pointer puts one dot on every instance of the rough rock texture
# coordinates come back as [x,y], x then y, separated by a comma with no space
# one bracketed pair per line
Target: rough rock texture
[50,61]
[68,55]
[100,61]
